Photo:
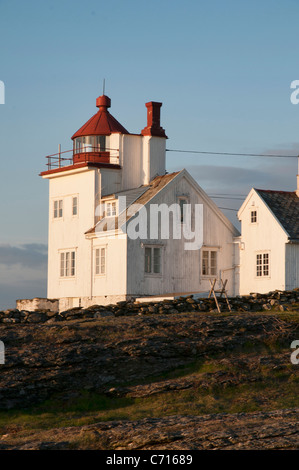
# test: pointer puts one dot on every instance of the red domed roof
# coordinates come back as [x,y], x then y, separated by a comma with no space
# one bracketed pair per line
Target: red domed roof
[102,123]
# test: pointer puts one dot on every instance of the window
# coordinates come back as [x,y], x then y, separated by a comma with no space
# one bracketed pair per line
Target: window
[100,260]
[100,143]
[182,202]
[75,205]
[152,260]
[110,209]
[91,143]
[67,263]
[209,263]
[58,212]
[253,217]
[262,264]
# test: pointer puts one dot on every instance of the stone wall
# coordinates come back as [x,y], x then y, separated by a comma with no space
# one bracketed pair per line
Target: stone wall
[276,301]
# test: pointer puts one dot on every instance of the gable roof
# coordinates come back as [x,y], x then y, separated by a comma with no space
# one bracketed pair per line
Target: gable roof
[144,194]
[285,207]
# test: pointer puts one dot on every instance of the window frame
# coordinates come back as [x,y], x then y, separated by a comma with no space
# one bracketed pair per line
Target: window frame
[57,210]
[91,143]
[77,205]
[209,251]
[98,258]
[67,263]
[111,204]
[262,264]
[153,260]
[253,216]
[184,200]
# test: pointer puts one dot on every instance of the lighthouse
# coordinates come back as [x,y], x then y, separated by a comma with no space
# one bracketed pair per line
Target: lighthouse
[106,159]
[100,257]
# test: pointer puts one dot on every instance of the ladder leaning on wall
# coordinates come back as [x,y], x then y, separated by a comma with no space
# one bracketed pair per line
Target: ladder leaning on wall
[221,292]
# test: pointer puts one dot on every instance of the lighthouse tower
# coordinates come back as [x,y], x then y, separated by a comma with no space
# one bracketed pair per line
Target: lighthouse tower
[106,159]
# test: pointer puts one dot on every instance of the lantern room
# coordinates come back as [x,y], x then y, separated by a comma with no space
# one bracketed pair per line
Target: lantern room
[92,142]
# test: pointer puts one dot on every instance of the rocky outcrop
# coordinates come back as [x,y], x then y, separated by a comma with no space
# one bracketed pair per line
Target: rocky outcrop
[273,301]
[276,430]
[42,359]
[132,358]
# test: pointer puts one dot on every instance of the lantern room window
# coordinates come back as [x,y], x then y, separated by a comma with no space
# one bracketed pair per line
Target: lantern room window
[91,143]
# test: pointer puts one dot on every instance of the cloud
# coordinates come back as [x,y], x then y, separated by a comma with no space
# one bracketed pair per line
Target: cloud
[31,255]
[23,272]
[254,172]
[25,289]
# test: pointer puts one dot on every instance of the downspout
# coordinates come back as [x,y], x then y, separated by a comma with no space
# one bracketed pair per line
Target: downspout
[91,268]
[148,162]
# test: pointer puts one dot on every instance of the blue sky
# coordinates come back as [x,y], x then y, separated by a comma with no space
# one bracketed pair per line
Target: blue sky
[222,69]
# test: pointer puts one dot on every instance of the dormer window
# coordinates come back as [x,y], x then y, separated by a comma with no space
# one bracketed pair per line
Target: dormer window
[111,209]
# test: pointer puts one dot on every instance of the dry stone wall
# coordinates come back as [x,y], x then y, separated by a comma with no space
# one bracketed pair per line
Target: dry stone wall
[276,301]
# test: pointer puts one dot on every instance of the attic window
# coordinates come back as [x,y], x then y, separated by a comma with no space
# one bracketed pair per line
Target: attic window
[253,217]
[182,201]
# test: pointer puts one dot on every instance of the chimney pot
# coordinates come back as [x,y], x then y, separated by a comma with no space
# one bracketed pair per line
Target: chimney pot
[153,127]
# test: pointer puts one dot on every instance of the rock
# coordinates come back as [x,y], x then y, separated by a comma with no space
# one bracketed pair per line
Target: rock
[36,317]
[103,314]
[267,307]
[261,430]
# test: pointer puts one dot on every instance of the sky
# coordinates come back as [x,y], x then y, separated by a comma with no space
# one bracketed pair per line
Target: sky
[222,70]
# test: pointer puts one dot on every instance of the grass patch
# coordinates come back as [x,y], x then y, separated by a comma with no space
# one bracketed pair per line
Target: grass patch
[275,389]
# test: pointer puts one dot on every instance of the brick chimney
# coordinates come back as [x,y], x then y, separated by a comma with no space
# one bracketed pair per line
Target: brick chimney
[153,120]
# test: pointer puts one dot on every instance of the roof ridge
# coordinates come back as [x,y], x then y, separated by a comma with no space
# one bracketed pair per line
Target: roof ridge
[275,191]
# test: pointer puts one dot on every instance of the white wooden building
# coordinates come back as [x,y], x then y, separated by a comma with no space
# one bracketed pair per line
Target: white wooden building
[94,258]
[269,244]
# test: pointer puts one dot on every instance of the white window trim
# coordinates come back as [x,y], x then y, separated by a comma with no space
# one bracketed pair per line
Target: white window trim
[100,247]
[73,197]
[152,274]
[262,252]
[209,249]
[58,200]
[110,203]
[253,209]
[70,251]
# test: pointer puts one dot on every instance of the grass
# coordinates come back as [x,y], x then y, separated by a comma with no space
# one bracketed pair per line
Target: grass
[272,389]
[91,408]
